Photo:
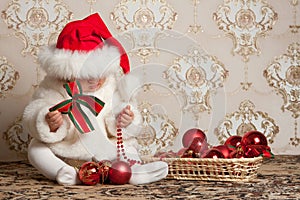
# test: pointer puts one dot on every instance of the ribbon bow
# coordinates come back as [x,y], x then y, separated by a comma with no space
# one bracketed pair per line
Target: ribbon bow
[72,107]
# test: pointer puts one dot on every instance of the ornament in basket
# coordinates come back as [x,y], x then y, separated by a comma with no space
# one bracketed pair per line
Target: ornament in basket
[238,159]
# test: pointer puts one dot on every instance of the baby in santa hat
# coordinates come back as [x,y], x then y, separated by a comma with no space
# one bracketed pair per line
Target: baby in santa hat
[94,63]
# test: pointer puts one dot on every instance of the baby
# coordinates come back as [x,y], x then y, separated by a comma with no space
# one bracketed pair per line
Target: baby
[86,54]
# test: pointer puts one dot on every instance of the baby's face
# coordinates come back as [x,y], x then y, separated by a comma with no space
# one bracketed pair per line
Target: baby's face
[91,85]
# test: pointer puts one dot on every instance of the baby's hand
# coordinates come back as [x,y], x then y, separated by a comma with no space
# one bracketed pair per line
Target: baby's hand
[125,117]
[54,120]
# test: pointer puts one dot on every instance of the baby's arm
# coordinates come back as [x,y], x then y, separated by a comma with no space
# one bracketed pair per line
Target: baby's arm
[129,119]
[36,116]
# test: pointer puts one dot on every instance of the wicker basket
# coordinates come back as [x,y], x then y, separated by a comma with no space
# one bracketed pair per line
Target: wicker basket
[236,169]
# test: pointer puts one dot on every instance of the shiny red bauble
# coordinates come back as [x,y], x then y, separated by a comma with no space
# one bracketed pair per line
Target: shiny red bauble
[89,173]
[190,134]
[119,173]
[237,154]
[188,154]
[104,166]
[213,153]
[181,152]
[254,138]
[257,150]
[252,151]
[198,146]
[233,142]
[224,149]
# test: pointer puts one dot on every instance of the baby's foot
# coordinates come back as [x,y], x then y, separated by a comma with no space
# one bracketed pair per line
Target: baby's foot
[67,175]
[147,173]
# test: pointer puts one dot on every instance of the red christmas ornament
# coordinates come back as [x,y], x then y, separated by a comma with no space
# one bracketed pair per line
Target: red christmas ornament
[181,152]
[89,173]
[105,163]
[255,143]
[224,150]
[190,134]
[104,167]
[213,153]
[198,146]
[119,173]
[257,150]
[237,154]
[233,142]
[188,154]
[251,151]
[254,138]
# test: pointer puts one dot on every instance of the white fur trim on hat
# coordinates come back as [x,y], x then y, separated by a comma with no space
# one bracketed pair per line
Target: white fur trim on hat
[66,64]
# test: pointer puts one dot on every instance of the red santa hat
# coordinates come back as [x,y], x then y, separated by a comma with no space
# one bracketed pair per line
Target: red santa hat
[84,49]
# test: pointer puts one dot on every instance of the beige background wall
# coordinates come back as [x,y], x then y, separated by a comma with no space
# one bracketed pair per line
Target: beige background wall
[234,57]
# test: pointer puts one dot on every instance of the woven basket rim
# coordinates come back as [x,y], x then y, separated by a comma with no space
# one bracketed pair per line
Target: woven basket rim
[211,169]
[224,160]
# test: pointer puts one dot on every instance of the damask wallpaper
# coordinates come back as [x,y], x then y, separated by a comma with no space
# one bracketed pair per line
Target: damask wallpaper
[224,66]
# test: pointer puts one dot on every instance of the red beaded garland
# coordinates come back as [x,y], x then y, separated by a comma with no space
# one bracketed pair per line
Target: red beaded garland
[120,148]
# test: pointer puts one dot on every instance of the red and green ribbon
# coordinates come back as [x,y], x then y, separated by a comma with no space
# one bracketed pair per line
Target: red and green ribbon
[72,107]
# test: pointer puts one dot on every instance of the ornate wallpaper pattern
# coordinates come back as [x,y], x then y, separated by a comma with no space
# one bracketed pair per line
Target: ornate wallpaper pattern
[245,21]
[244,120]
[35,22]
[196,76]
[283,74]
[9,77]
[142,22]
